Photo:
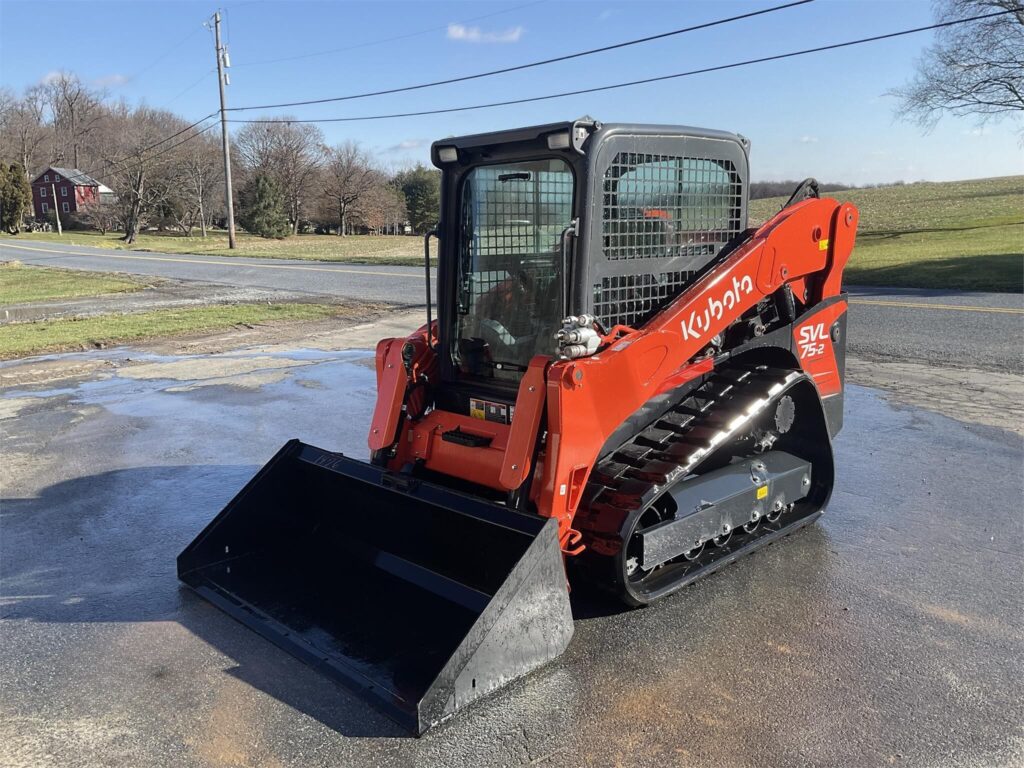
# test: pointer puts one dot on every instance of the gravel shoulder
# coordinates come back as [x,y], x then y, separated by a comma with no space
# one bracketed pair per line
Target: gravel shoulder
[991,398]
[164,293]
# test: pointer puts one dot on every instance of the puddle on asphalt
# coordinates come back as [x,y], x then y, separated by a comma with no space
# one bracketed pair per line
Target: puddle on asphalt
[232,379]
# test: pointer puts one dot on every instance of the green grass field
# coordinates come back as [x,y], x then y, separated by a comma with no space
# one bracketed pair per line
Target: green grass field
[965,235]
[22,339]
[20,284]
[376,249]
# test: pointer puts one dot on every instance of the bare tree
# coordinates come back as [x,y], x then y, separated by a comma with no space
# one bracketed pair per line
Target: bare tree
[143,178]
[349,174]
[76,112]
[23,130]
[290,154]
[382,208]
[972,69]
[101,214]
[197,184]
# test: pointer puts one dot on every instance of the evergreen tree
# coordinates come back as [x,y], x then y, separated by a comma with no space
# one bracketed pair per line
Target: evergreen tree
[262,209]
[422,190]
[15,197]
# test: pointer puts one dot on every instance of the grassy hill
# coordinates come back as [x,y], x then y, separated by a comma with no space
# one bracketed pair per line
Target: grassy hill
[965,235]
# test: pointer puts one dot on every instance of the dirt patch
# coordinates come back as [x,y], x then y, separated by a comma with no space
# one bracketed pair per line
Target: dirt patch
[361,330]
[162,293]
[966,394]
[190,369]
[36,372]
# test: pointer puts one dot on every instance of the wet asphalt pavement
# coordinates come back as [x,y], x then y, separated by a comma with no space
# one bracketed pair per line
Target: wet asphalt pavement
[889,633]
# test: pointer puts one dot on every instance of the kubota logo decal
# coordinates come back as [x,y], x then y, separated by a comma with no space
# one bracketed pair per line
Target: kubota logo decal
[699,323]
[812,340]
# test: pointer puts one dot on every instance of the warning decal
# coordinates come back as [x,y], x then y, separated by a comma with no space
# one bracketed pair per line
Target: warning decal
[487,410]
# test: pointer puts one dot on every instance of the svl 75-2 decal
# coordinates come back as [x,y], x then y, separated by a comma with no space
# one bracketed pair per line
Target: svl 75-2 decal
[811,340]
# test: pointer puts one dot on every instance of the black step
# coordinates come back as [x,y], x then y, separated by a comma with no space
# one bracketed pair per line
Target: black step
[661,472]
[655,437]
[632,454]
[677,421]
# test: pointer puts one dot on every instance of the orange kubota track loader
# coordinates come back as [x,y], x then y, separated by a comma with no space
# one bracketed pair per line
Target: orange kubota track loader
[623,383]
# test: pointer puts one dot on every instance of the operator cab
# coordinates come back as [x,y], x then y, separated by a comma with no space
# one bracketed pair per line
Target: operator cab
[565,219]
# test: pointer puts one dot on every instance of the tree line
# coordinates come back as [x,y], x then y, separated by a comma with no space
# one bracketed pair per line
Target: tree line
[288,179]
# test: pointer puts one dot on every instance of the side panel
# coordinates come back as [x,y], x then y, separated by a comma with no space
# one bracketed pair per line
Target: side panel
[819,343]
[815,338]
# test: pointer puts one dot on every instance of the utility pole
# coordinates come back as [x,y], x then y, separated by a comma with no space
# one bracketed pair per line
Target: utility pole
[53,188]
[222,61]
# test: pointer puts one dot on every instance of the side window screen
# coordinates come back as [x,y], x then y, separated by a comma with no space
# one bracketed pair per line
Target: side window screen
[658,206]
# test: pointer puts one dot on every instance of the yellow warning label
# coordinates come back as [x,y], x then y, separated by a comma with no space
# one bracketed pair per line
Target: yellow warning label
[762,491]
[476,409]
[823,245]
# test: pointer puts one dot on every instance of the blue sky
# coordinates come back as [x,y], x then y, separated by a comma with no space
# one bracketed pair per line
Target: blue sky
[825,115]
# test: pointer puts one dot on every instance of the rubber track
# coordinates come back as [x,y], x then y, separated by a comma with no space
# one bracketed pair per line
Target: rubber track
[672,448]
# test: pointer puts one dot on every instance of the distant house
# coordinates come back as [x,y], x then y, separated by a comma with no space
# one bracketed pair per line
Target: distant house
[64,190]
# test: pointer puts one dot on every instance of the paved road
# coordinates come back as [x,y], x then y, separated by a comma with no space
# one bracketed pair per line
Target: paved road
[889,633]
[400,285]
[950,328]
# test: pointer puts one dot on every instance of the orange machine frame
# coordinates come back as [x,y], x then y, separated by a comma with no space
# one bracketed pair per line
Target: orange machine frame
[585,400]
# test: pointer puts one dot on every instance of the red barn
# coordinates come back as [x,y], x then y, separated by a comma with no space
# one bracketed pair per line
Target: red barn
[71,187]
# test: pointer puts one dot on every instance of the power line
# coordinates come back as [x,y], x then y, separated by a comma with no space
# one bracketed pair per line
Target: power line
[189,88]
[631,83]
[382,40]
[165,150]
[532,64]
[187,139]
[138,153]
[165,54]
[168,138]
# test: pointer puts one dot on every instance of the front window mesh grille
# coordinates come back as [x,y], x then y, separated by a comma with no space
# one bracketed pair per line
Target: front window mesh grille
[509,298]
[663,206]
[632,299]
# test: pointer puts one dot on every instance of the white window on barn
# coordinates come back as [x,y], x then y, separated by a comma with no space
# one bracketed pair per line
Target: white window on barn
[46,207]
[56,177]
[42,191]
[46,177]
[65,207]
[63,191]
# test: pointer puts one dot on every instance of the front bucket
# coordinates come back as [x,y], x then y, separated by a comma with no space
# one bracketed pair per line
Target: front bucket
[418,598]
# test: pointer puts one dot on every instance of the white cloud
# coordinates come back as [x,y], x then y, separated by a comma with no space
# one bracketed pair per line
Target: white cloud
[476,35]
[808,139]
[110,81]
[407,144]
